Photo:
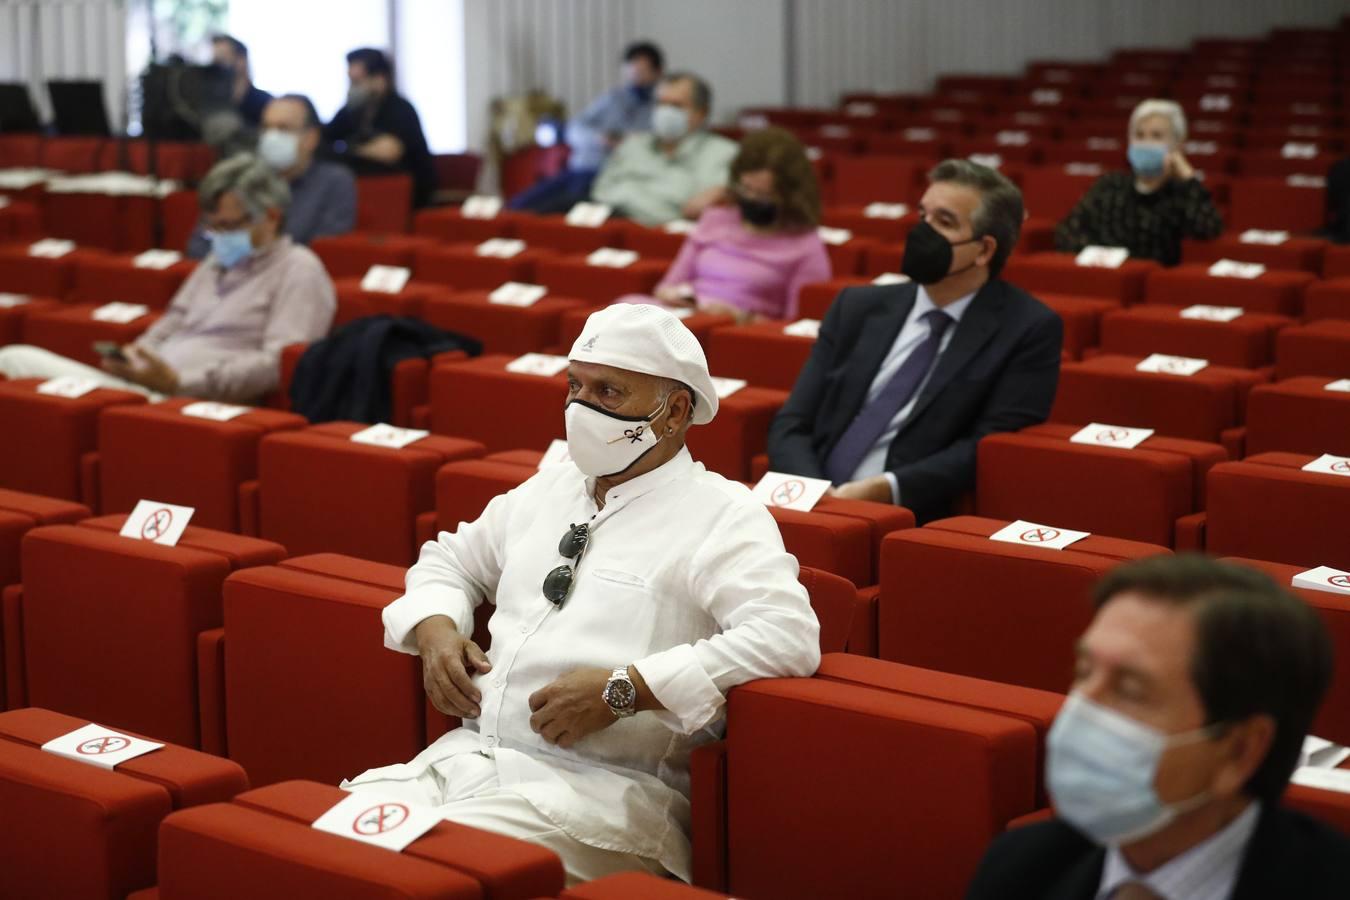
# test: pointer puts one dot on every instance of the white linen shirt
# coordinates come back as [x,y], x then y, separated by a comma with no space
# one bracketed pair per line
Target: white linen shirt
[690,584]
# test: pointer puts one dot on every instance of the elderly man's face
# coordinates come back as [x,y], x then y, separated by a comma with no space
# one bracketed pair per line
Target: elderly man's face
[1154,130]
[681,93]
[626,393]
[231,214]
[289,116]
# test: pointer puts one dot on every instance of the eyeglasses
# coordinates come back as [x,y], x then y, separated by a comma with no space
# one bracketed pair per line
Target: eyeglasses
[558,583]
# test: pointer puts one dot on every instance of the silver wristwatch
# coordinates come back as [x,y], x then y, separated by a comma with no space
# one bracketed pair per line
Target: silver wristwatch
[620,693]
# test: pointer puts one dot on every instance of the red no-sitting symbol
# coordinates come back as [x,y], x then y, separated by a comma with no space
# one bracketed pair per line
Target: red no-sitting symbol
[100,746]
[1339,581]
[1111,435]
[1341,466]
[787,492]
[1039,535]
[156,524]
[380,819]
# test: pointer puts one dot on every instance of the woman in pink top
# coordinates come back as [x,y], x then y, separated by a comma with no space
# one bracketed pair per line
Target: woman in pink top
[749,255]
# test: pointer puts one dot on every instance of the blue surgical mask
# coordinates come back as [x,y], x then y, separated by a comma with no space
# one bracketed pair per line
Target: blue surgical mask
[1147,160]
[231,247]
[1100,769]
[670,123]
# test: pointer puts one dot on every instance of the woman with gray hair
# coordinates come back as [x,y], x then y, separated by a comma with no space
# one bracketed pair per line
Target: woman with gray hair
[1152,208]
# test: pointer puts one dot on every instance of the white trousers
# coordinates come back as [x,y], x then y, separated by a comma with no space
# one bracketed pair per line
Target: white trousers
[25,361]
[466,790]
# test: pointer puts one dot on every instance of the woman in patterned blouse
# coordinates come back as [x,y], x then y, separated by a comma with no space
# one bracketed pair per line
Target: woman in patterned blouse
[1150,209]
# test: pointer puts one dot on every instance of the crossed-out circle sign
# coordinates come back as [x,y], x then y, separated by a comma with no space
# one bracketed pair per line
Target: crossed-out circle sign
[380,819]
[788,492]
[156,524]
[1111,435]
[1039,535]
[101,745]
[1339,581]
[1341,466]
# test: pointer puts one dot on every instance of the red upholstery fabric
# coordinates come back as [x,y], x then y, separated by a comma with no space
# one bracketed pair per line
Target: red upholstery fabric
[12,679]
[728,443]
[653,243]
[40,275]
[351,255]
[464,488]
[353,302]
[12,318]
[179,215]
[881,519]
[1328,299]
[1053,191]
[460,267]
[116,278]
[976,767]
[155,452]
[116,222]
[1108,389]
[20,222]
[1247,342]
[501,328]
[1057,273]
[319,491]
[701,324]
[56,433]
[1266,164]
[832,599]
[383,203]
[936,608]
[554,233]
[1296,254]
[1273,203]
[760,353]
[71,331]
[829,543]
[572,276]
[73,154]
[450,226]
[877,178]
[20,150]
[633,885]
[815,298]
[1298,416]
[1265,507]
[535,403]
[180,161]
[854,218]
[107,620]
[1082,318]
[1040,476]
[1336,263]
[1276,292]
[1322,348]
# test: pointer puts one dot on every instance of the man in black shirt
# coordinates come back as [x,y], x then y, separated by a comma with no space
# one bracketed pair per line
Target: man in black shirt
[250,100]
[378,131]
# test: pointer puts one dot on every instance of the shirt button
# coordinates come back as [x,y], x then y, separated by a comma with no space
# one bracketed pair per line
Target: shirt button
[524,629]
[491,741]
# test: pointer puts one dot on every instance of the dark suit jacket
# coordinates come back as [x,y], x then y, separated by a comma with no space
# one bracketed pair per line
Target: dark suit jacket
[998,373]
[1290,855]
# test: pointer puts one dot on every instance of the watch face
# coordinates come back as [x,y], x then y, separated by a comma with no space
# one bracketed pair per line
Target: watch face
[620,694]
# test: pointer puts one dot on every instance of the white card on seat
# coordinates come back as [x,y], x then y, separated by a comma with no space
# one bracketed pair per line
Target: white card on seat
[1322,753]
[1046,97]
[891,278]
[791,491]
[99,746]
[1102,257]
[159,523]
[679,226]
[1099,435]
[1078,168]
[373,818]
[1216,102]
[518,293]
[51,248]
[1323,578]
[1171,365]
[9,301]
[481,206]
[809,328]
[1101,143]
[1261,236]
[1212,313]
[1029,534]
[588,215]
[502,248]
[1231,268]
[920,134]
[216,412]
[390,436]
[834,236]
[69,386]
[537,364]
[556,454]
[4,201]
[385,279]
[1326,779]
[1306,181]
[860,108]
[1298,150]
[725,387]
[120,313]
[1327,464]
[1012,138]
[992,160]
[156,259]
[885,211]
[1341,385]
[611,258]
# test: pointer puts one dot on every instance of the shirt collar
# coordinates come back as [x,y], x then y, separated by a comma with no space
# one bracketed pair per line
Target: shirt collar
[924,303]
[676,467]
[1211,866]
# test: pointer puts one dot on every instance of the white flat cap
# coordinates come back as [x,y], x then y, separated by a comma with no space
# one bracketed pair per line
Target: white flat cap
[644,338]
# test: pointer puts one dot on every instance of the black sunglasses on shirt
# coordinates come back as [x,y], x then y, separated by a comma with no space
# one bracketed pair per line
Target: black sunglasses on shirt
[558,583]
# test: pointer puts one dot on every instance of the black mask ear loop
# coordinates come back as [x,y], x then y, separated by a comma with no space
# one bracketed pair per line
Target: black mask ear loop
[962,244]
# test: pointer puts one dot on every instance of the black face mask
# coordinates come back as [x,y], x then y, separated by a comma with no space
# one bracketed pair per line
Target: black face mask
[760,213]
[928,255]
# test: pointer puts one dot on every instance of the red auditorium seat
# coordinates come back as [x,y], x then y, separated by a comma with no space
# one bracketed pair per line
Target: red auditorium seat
[21,151]
[631,885]
[1298,415]
[461,267]
[869,225]
[99,218]
[1082,317]
[1336,263]
[179,161]
[815,298]
[23,273]
[73,155]
[1294,254]
[54,435]
[572,276]
[500,327]
[319,491]
[156,451]
[450,225]
[1037,474]
[71,330]
[1329,299]
[75,830]
[1266,507]
[117,278]
[179,215]
[554,233]
[1247,342]
[761,353]
[383,203]
[1057,273]
[1275,203]
[1052,191]
[702,324]
[355,302]
[651,243]
[20,222]
[1276,292]
[465,487]
[351,255]
[1321,348]
[875,178]
[108,621]
[261,846]
[12,318]
[1267,164]
[936,610]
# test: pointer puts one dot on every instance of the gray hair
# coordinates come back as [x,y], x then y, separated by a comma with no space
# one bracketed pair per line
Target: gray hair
[700,89]
[1168,109]
[258,185]
[999,214]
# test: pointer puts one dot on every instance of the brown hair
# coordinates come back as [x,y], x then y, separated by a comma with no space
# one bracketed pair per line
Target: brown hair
[794,179]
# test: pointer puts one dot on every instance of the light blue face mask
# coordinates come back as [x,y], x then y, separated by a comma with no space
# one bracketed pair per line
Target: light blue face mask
[231,247]
[1100,768]
[1147,160]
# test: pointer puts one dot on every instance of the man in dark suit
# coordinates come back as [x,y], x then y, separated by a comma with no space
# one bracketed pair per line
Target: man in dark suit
[905,379]
[1195,686]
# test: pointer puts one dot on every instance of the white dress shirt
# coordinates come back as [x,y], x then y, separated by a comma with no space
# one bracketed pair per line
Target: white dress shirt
[913,333]
[690,584]
[1207,871]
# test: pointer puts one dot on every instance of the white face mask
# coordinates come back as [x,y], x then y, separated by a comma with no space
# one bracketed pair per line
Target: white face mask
[602,443]
[670,123]
[279,149]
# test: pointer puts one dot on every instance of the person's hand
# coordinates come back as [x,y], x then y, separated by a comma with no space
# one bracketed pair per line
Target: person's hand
[383,148]
[572,707]
[144,368]
[1177,167]
[877,489]
[675,295]
[695,205]
[449,660]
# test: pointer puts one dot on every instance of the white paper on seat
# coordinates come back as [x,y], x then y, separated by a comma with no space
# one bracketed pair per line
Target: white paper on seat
[1323,578]
[611,258]
[679,226]
[1078,168]
[1200,148]
[919,134]
[481,206]
[99,746]
[69,386]
[537,364]
[725,387]
[502,248]
[1046,97]
[588,215]
[1262,236]
[50,248]
[518,293]
[1029,534]
[753,122]
[555,455]
[156,259]
[1212,313]
[4,201]
[835,131]
[834,236]
[992,160]
[9,301]
[809,328]
[1231,268]
[1216,102]
[885,211]
[1326,779]
[860,108]
[1102,257]
[373,818]
[391,436]
[120,313]
[216,412]
[1328,464]
[1306,181]
[1100,143]
[1171,365]
[791,491]
[385,279]
[1221,81]
[1322,753]
[1298,150]
[159,523]
[1012,138]
[1098,435]
[1341,385]
[891,278]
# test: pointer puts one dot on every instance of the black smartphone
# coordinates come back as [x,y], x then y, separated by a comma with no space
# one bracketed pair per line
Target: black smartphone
[110,350]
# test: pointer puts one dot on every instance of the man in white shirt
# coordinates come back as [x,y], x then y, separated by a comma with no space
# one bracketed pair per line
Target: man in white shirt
[613,649]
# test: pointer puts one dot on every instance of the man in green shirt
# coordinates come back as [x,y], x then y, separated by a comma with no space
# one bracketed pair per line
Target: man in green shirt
[676,170]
